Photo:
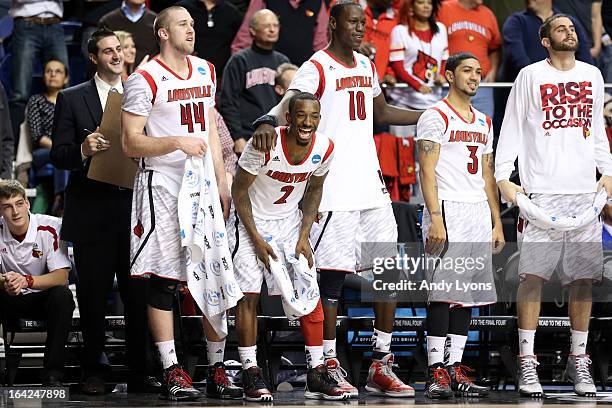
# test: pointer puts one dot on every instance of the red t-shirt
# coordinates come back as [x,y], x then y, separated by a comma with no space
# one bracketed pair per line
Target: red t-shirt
[474,30]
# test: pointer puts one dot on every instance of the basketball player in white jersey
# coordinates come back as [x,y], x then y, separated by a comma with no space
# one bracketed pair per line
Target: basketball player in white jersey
[267,192]
[462,216]
[355,207]
[554,125]
[168,114]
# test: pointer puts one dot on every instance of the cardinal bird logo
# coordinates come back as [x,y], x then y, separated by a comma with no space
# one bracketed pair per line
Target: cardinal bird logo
[586,132]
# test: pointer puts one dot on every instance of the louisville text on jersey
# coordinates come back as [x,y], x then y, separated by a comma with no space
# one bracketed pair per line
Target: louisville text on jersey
[196,92]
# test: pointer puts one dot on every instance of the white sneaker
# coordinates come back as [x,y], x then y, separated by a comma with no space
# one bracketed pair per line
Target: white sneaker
[339,375]
[578,373]
[528,381]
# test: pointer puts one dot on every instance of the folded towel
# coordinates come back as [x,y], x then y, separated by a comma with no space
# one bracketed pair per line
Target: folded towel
[299,293]
[210,272]
[545,220]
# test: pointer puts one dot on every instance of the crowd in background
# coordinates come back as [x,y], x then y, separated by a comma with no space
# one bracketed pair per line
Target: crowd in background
[256,52]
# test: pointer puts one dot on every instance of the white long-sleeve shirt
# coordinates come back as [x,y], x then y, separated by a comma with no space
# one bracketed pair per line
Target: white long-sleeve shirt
[554,125]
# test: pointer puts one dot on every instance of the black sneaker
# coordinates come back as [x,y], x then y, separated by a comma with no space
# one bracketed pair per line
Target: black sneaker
[320,385]
[461,384]
[438,382]
[177,385]
[255,388]
[219,386]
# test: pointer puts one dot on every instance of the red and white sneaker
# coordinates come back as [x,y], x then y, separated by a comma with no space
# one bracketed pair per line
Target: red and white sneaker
[339,375]
[383,381]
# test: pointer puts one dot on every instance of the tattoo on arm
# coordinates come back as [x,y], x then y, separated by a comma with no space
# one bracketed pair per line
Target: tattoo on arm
[428,147]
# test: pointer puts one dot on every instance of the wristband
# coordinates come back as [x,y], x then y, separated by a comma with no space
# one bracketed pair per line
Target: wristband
[265,119]
[30,280]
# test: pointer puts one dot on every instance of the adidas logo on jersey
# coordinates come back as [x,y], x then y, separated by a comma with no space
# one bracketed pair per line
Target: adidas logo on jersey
[219,351]
[164,78]
[331,68]
[524,341]
[433,350]
[276,158]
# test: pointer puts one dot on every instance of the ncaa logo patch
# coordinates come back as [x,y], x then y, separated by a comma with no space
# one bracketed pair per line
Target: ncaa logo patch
[219,238]
[201,70]
[192,178]
[212,297]
[363,64]
[482,122]
[216,267]
[316,159]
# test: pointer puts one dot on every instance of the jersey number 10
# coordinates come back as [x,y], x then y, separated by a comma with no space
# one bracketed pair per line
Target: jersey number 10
[357,105]
[193,113]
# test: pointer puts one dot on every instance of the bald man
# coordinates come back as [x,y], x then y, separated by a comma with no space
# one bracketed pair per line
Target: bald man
[248,79]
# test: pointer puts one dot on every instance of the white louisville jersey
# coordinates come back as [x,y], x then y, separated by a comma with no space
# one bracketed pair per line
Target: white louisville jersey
[422,60]
[280,184]
[174,106]
[554,123]
[347,115]
[462,144]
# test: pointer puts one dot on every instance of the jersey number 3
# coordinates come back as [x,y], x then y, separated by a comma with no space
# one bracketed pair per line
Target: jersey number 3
[472,167]
[357,105]
[287,191]
[193,113]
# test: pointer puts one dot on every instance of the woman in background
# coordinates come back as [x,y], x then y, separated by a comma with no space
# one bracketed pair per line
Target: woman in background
[129,54]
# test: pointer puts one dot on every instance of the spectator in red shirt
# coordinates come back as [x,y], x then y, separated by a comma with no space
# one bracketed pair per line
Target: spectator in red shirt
[473,27]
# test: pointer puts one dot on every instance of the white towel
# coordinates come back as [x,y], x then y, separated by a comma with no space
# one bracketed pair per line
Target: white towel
[542,219]
[299,294]
[210,272]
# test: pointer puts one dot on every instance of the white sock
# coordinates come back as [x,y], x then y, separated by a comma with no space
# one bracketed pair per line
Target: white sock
[167,354]
[314,356]
[435,349]
[248,356]
[526,341]
[215,350]
[578,342]
[456,344]
[329,348]
[381,341]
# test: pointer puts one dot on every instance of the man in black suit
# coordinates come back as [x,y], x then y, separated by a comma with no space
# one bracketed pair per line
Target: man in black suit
[97,216]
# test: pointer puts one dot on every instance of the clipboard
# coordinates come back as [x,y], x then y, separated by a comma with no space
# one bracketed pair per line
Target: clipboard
[112,166]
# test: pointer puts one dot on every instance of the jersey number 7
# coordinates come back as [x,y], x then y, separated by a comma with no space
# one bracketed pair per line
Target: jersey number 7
[193,113]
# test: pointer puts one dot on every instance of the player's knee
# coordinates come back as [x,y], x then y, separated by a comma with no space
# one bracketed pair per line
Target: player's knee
[161,293]
[330,287]
[249,303]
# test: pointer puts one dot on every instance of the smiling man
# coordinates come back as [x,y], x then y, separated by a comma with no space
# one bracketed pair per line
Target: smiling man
[88,207]
[34,268]
[267,192]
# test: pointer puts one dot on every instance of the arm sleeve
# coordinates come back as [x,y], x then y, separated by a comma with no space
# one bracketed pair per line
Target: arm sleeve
[227,144]
[34,121]
[327,159]
[320,35]
[431,126]
[514,44]
[496,40]
[232,84]
[511,133]
[57,258]
[584,43]
[243,37]
[66,149]
[306,78]
[137,96]
[402,75]
[251,159]
[398,48]
[603,158]
[6,138]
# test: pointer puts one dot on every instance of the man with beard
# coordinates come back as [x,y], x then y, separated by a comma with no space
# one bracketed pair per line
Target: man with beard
[162,126]
[554,124]
[456,155]
[355,208]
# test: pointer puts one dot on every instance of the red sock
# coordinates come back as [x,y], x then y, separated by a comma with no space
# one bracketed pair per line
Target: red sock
[312,326]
